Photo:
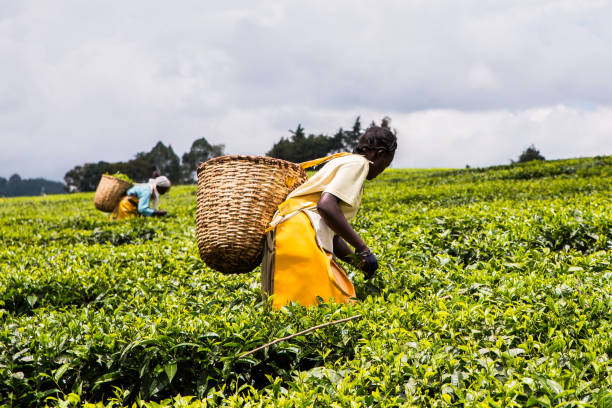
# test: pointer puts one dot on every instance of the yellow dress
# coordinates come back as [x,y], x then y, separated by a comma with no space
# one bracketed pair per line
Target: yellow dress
[298,265]
[127,208]
[302,271]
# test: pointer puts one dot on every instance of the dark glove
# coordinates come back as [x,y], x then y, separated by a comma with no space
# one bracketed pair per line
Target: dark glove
[369,263]
[159,213]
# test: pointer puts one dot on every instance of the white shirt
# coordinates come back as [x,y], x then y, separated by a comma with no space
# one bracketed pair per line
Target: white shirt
[343,177]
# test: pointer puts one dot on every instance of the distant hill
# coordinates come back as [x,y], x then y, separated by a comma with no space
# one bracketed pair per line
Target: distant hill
[16,186]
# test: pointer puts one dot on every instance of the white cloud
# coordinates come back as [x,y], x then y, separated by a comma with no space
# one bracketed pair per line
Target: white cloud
[101,81]
[480,77]
[449,138]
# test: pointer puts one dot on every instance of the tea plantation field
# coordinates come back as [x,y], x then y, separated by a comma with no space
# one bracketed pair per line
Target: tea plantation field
[495,290]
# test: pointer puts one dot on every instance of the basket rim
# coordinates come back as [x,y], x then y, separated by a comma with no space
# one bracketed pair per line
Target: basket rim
[248,158]
[115,178]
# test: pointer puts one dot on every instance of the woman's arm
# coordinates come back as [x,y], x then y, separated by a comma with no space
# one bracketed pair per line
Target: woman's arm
[144,194]
[144,198]
[329,210]
[341,249]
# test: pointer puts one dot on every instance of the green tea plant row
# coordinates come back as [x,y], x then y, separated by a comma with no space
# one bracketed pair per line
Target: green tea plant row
[494,290]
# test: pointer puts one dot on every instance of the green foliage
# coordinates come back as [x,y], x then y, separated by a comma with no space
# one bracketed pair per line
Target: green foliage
[200,152]
[350,138]
[164,159]
[300,148]
[121,176]
[494,290]
[530,154]
[87,176]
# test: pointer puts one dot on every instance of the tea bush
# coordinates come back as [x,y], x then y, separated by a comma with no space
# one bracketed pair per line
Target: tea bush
[494,290]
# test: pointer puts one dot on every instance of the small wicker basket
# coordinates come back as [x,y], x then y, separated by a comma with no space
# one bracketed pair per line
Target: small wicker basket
[109,192]
[237,198]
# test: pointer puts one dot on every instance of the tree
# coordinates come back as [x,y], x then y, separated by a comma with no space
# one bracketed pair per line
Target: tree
[299,147]
[347,140]
[530,154]
[87,176]
[72,178]
[14,179]
[16,186]
[200,151]
[166,161]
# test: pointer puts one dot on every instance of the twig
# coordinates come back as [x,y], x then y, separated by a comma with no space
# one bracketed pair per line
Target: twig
[300,333]
[459,292]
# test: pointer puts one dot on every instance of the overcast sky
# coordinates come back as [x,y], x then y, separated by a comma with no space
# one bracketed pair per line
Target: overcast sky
[465,82]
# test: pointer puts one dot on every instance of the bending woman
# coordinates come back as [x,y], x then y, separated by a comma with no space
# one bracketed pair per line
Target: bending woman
[312,225]
[142,199]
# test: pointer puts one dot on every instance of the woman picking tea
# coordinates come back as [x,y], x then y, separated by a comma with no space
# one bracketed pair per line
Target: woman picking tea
[142,199]
[312,225]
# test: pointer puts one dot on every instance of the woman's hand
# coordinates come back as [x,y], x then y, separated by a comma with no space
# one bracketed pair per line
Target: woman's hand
[159,213]
[329,209]
[369,263]
[366,260]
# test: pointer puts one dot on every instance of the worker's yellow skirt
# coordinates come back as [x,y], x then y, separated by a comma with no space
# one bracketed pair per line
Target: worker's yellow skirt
[127,208]
[296,269]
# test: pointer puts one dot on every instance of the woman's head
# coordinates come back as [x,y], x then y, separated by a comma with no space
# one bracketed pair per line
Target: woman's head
[162,184]
[378,145]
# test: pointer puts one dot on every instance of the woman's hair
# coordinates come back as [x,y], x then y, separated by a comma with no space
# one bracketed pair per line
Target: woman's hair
[378,138]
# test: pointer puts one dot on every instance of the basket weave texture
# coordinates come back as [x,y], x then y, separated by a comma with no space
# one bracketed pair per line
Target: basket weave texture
[109,192]
[237,198]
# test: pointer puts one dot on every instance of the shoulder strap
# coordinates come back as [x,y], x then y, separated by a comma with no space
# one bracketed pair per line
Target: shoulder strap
[311,163]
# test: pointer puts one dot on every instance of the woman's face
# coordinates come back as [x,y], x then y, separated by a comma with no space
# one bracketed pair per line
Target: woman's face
[380,159]
[162,190]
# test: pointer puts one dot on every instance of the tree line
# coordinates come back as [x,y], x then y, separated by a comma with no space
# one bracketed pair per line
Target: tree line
[15,186]
[297,147]
[160,159]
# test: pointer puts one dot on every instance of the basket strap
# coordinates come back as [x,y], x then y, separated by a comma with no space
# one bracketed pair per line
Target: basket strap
[289,208]
[288,211]
[315,162]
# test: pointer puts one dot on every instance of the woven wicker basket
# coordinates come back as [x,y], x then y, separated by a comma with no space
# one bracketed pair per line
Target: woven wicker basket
[237,197]
[109,192]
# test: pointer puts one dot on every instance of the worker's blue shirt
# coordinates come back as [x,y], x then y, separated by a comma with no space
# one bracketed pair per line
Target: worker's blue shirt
[144,192]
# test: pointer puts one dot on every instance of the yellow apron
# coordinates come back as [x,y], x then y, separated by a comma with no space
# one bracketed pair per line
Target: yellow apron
[127,208]
[297,268]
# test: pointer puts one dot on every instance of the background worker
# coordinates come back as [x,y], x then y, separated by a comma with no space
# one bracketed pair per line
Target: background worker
[142,199]
[312,225]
